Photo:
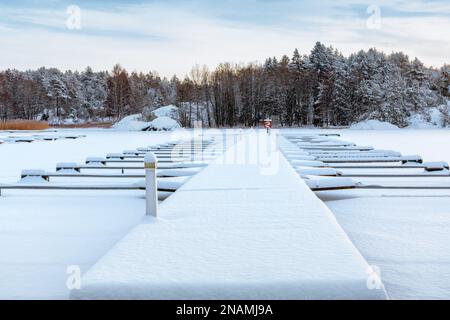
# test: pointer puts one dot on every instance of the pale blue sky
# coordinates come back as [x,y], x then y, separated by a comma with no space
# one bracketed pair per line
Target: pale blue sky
[172,35]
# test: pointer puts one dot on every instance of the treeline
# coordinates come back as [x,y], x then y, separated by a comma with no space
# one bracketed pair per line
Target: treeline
[323,88]
[55,96]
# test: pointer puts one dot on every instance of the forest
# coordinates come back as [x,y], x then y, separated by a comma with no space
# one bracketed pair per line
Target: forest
[323,88]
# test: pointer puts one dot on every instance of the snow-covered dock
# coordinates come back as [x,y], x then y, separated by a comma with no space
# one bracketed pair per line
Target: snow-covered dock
[235,231]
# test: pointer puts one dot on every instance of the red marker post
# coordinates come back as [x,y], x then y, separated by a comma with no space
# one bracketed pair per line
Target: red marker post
[268,125]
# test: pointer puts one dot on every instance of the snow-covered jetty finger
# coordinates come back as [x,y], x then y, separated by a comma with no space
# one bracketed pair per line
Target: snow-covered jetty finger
[168,160]
[351,148]
[164,173]
[28,184]
[326,178]
[427,166]
[36,137]
[365,159]
[305,171]
[74,167]
[138,153]
[381,153]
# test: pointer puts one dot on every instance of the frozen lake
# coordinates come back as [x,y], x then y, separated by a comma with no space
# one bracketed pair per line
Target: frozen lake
[406,234]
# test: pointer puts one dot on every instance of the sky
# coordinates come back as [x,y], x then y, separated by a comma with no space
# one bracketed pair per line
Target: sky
[170,36]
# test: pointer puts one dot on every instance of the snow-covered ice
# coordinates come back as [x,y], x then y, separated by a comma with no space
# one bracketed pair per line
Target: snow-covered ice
[405,233]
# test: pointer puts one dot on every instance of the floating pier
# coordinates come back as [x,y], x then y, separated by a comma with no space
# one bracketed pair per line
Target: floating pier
[235,231]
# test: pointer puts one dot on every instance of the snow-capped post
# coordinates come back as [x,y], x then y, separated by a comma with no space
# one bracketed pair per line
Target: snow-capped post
[151,188]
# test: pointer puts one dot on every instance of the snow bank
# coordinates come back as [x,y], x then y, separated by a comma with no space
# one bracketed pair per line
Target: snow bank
[432,119]
[436,117]
[417,121]
[373,125]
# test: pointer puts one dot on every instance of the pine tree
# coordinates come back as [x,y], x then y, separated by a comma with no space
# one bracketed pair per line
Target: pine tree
[93,93]
[444,81]
[341,96]
[53,82]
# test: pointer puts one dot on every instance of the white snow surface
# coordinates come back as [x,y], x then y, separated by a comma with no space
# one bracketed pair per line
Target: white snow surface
[403,233]
[373,125]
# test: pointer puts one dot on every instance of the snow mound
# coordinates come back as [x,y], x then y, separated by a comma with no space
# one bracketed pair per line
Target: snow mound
[436,116]
[432,118]
[417,121]
[170,111]
[131,123]
[163,124]
[373,125]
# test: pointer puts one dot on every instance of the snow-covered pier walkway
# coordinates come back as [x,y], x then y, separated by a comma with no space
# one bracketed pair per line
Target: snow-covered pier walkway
[240,229]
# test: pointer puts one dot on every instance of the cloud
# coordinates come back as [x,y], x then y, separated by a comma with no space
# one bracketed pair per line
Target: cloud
[171,36]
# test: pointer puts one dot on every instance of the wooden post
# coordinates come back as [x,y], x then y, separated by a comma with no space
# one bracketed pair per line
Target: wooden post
[151,189]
